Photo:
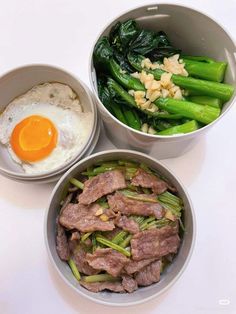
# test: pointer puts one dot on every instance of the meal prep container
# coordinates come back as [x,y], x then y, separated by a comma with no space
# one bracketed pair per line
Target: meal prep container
[196,34]
[18,82]
[170,275]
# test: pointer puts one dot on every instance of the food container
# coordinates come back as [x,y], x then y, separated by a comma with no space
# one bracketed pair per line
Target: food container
[196,34]
[19,81]
[171,274]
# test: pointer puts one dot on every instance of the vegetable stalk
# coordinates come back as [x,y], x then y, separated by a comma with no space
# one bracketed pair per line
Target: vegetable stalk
[206,100]
[74,269]
[214,71]
[100,278]
[77,183]
[204,114]
[113,245]
[180,129]
[208,88]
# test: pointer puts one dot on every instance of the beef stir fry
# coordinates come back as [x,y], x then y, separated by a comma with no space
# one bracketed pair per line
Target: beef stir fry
[119,226]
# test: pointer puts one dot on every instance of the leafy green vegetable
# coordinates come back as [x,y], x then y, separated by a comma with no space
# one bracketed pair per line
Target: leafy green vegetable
[122,33]
[102,54]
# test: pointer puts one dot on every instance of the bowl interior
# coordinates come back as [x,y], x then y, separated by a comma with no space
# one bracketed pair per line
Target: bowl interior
[170,275]
[192,31]
[19,81]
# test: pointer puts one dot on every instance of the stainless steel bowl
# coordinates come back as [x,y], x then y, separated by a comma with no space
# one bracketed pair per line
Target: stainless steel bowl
[19,81]
[170,275]
[198,38]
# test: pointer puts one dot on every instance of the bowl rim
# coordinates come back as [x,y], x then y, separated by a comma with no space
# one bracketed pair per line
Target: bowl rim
[137,132]
[80,154]
[186,262]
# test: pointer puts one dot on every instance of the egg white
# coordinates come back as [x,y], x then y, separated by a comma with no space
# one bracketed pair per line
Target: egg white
[73,125]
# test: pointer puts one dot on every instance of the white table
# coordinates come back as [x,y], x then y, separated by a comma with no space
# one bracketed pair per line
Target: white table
[62,33]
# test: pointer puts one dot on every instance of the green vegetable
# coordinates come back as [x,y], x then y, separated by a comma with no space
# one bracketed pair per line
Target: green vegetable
[206,100]
[214,71]
[115,87]
[208,88]
[124,79]
[199,58]
[132,118]
[99,278]
[118,113]
[138,197]
[85,236]
[128,37]
[122,33]
[102,54]
[113,245]
[126,241]
[180,129]
[119,237]
[204,114]
[74,269]
[77,183]
[160,124]
[171,202]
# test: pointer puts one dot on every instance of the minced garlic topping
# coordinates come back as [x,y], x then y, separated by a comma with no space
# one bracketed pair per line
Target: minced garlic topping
[162,88]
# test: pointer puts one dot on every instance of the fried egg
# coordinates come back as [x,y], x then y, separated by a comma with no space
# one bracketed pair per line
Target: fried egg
[45,127]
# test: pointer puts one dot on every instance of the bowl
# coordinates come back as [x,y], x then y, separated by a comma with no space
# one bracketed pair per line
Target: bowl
[169,276]
[173,20]
[20,80]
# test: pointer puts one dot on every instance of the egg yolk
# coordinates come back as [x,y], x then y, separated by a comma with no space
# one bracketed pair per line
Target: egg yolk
[34,138]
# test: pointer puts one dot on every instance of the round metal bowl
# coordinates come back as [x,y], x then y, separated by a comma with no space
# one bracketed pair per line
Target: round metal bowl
[198,38]
[168,277]
[22,79]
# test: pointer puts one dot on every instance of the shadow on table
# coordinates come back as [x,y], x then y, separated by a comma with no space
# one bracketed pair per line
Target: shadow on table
[82,305]
[25,195]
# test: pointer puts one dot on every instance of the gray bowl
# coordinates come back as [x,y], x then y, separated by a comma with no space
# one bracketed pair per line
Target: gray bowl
[198,38]
[20,80]
[169,276]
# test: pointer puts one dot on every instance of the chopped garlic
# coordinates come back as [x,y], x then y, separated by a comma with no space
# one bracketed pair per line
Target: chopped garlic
[144,128]
[146,105]
[173,65]
[165,93]
[169,215]
[178,95]
[131,92]
[155,94]
[99,212]
[104,217]
[136,75]
[166,80]
[153,108]
[151,130]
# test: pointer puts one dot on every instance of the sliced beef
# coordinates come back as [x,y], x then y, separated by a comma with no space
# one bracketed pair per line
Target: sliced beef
[148,180]
[149,274]
[103,184]
[120,203]
[134,266]
[129,283]
[154,243]
[79,257]
[127,224]
[107,259]
[100,286]
[83,218]
[62,245]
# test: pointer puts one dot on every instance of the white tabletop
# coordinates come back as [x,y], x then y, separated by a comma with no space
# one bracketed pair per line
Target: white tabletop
[61,32]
